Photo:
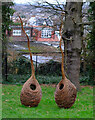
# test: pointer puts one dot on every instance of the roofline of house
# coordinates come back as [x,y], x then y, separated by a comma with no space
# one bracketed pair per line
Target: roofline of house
[20,26]
[30,26]
[40,26]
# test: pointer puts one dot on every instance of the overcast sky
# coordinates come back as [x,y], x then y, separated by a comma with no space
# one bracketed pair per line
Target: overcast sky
[33,1]
[50,1]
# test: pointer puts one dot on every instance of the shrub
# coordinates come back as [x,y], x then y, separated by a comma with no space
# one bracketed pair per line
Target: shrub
[19,66]
[49,68]
[21,79]
[86,80]
[48,79]
[16,79]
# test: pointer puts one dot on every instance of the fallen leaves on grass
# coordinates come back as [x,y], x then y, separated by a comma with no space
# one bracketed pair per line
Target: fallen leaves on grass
[6,100]
[2,93]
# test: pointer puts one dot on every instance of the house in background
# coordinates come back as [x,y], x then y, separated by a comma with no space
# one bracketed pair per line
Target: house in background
[38,29]
[44,34]
[18,35]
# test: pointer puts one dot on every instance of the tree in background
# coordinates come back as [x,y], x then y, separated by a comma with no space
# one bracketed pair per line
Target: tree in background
[7,11]
[49,10]
[72,35]
[91,44]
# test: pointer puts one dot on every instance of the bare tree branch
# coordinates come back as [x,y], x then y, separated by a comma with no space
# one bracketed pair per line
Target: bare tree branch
[87,23]
[49,6]
[65,38]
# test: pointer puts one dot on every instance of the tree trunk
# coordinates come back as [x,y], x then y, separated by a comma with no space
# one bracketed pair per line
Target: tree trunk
[4,59]
[73,33]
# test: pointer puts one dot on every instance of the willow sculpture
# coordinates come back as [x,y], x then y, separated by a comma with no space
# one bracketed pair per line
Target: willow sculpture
[31,91]
[65,93]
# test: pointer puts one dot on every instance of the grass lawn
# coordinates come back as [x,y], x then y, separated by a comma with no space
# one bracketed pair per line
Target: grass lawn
[35,47]
[47,108]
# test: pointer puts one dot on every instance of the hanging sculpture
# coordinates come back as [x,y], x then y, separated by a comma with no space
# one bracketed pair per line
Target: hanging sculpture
[31,91]
[65,94]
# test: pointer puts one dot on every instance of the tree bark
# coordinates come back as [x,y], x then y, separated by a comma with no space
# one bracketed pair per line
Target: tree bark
[4,59]
[73,44]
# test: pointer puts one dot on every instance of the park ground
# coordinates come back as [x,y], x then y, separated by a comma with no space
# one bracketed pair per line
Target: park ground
[47,108]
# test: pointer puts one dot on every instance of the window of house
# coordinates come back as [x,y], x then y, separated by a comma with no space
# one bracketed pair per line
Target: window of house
[46,33]
[16,32]
[27,32]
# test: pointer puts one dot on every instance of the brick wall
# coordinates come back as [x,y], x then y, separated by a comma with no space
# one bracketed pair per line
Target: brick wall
[35,34]
[22,37]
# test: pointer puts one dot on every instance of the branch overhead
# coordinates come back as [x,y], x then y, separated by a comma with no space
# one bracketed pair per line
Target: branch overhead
[87,23]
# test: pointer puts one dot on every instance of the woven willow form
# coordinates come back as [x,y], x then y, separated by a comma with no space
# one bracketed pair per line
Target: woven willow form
[65,94]
[31,91]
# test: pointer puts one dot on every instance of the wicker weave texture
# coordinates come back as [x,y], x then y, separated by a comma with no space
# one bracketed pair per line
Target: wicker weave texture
[31,96]
[65,94]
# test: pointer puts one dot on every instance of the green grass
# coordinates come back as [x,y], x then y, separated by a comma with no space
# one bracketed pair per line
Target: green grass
[36,47]
[47,108]
[33,49]
[0,101]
